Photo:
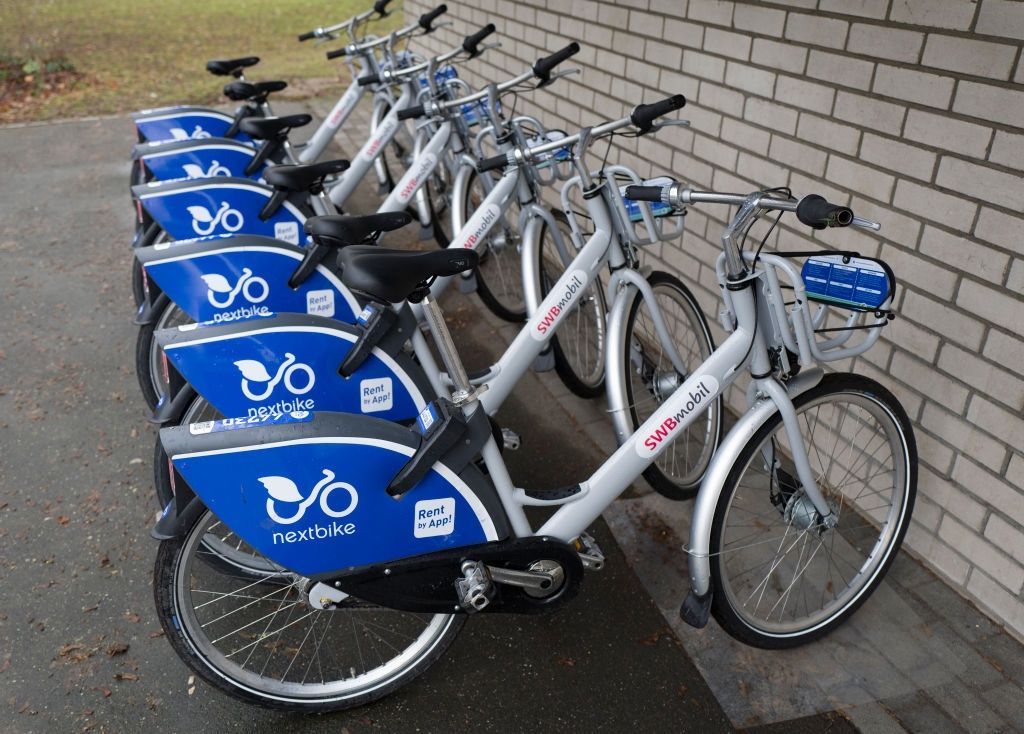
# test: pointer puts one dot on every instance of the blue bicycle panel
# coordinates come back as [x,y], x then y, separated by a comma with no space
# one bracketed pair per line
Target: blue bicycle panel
[311,496]
[230,279]
[856,282]
[278,366]
[188,209]
[168,161]
[184,122]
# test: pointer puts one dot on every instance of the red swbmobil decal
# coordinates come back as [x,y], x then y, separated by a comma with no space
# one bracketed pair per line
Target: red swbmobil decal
[692,397]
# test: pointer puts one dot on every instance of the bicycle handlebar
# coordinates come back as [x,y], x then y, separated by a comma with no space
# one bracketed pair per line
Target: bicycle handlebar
[379,9]
[817,213]
[425,24]
[644,115]
[471,44]
[543,68]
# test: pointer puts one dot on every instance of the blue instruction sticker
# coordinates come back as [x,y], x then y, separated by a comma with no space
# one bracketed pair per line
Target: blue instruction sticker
[859,282]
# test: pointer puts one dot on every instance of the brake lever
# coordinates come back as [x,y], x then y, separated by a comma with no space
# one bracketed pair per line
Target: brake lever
[442,24]
[558,75]
[670,123]
[488,47]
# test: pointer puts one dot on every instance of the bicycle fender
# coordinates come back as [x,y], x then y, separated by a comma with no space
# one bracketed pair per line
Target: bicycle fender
[226,279]
[170,410]
[308,490]
[150,309]
[196,159]
[219,206]
[718,471]
[289,362]
[183,122]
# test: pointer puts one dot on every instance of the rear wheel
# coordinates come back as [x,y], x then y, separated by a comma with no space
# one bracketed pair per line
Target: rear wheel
[782,575]
[150,365]
[263,642]
[651,377]
[140,286]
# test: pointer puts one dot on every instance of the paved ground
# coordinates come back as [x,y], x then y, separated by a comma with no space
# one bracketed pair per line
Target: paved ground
[79,641]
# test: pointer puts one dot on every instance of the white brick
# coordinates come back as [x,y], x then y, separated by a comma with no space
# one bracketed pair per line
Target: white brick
[1015,280]
[797,155]
[663,54]
[722,99]
[780,56]
[1008,150]
[992,304]
[763,172]
[803,94]
[1001,18]
[1001,229]
[861,178]
[835,69]
[862,8]
[725,43]
[715,152]
[990,488]
[982,376]
[968,56]
[998,421]
[932,452]
[745,136]
[934,279]
[982,553]
[989,102]
[685,34]
[766,21]
[961,254]
[896,226]
[992,596]
[1005,537]
[828,134]
[952,14]
[816,30]
[749,79]
[1015,471]
[938,555]
[942,320]
[645,23]
[947,133]
[951,498]
[905,159]
[869,112]
[1006,349]
[913,86]
[711,11]
[886,43]
[928,382]
[770,115]
[928,203]
[703,65]
[982,182]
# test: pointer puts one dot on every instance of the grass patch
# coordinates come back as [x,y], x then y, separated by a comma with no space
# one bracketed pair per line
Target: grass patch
[146,53]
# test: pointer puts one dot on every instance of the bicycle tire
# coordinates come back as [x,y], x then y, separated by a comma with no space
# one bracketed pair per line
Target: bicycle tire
[873,403]
[148,356]
[708,427]
[175,577]
[581,369]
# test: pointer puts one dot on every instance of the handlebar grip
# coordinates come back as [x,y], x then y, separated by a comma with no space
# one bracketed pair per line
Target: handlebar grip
[644,193]
[307,36]
[816,212]
[365,81]
[471,43]
[427,19]
[542,69]
[381,7]
[644,115]
[492,164]
[337,53]
[410,113]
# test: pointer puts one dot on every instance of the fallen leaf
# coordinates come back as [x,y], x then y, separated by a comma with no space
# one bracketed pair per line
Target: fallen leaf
[132,617]
[63,520]
[125,676]
[117,648]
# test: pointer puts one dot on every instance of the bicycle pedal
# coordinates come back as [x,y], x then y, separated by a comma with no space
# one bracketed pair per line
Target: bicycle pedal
[590,552]
[545,361]
[475,588]
[511,440]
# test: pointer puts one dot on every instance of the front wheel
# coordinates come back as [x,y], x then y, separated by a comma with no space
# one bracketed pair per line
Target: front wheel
[782,575]
[262,641]
[651,378]
[150,367]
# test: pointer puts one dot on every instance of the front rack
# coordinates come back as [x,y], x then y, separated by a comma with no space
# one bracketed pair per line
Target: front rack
[802,318]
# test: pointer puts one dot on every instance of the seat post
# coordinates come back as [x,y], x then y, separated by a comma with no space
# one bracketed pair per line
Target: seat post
[445,345]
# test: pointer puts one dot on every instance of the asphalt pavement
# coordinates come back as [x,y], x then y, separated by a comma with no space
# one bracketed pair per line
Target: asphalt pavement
[80,644]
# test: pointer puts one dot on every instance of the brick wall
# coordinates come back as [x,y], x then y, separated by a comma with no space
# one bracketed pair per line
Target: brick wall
[910,111]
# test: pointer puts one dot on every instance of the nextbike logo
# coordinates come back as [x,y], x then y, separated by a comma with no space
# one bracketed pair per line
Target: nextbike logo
[240,314]
[254,289]
[429,160]
[699,391]
[204,222]
[383,135]
[178,133]
[194,170]
[489,215]
[284,491]
[298,378]
[553,311]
